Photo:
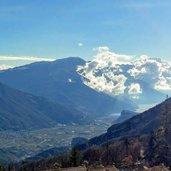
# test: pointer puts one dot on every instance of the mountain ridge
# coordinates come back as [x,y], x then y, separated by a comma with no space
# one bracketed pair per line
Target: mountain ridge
[144,139]
[143,123]
[59,82]
[20,110]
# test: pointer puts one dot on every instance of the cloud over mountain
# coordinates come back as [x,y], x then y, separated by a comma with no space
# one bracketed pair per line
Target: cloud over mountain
[117,74]
[14,61]
[24,58]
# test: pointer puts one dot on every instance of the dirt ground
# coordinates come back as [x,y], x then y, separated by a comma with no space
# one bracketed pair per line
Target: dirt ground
[157,168]
[90,169]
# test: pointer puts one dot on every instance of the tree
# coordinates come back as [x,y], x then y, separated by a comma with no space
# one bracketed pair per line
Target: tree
[2,168]
[75,158]
[126,144]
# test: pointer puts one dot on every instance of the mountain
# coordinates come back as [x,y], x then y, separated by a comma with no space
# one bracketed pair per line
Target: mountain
[144,80]
[60,82]
[143,123]
[19,110]
[125,115]
[145,139]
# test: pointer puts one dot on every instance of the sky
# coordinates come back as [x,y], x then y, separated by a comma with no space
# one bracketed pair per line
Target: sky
[55,29]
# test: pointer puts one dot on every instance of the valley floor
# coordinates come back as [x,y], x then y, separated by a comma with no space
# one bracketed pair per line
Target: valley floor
[23,144]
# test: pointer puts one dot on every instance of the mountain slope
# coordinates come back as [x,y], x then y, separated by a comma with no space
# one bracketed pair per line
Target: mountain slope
[20,110]
[140,124]
[144,139]
[60,82]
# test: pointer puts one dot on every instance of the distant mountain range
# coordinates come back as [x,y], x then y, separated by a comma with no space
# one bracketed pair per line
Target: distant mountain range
[19,110]
[60,82]
[96,88]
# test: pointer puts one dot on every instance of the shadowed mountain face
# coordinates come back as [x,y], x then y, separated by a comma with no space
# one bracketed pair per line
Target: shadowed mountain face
[140,124]
[20,110]
[60,82]
[145,137]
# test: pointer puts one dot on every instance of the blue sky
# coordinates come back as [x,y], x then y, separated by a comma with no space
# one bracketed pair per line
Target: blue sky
[62,28]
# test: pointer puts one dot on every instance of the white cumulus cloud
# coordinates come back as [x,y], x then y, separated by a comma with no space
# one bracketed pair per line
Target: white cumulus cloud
[105,55]
[152,71]
[116,74]
[134,88]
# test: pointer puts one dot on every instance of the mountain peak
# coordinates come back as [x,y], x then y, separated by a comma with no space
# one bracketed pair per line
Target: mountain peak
[71,59]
